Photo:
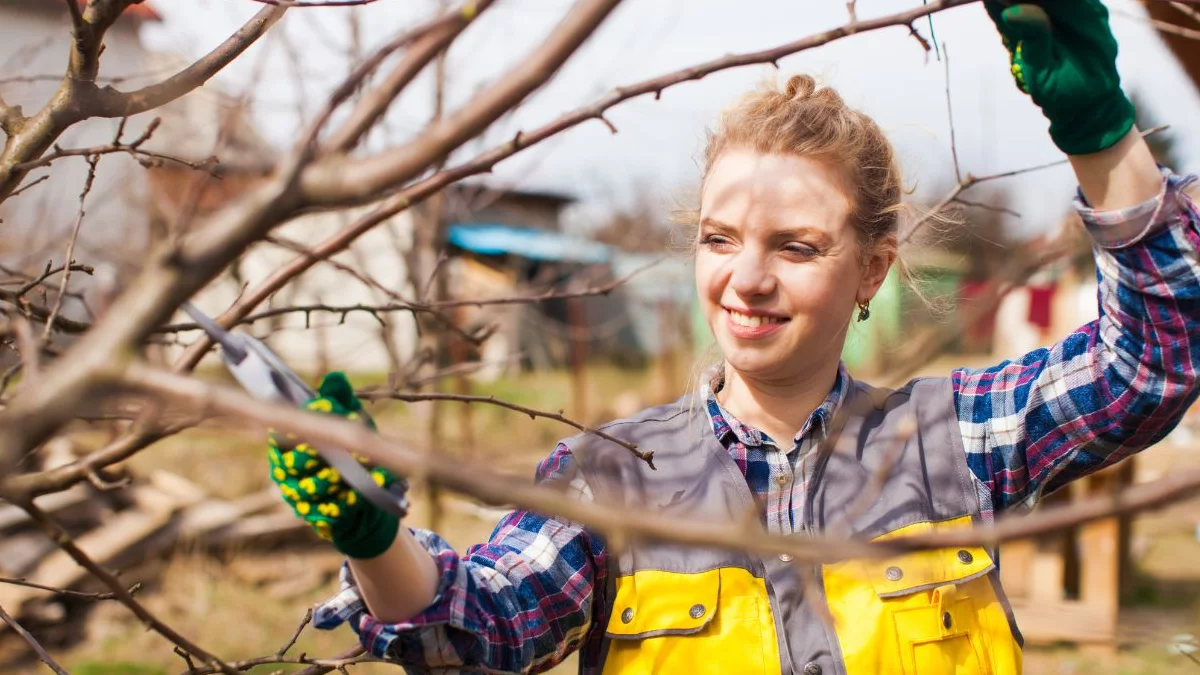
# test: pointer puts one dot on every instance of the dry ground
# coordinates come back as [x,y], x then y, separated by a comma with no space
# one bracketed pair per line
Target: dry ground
[245,604]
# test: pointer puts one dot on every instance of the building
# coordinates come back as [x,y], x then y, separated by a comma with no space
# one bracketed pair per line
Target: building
[35,37]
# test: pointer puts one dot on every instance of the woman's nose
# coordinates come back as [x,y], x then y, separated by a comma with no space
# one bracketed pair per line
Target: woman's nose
[751,275]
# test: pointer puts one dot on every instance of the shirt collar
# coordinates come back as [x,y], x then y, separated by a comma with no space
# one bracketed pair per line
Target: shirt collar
[728,428]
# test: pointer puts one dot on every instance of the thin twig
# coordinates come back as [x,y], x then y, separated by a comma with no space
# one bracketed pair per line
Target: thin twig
[950,116]
[374,395]
[427,307]
[92,161]
[988,207]
[51,271]
[33,643]
[145,157]
[79,595]
[23,188]
[282,651]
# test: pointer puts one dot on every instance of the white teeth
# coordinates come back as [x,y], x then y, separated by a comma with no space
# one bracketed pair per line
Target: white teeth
[752,321]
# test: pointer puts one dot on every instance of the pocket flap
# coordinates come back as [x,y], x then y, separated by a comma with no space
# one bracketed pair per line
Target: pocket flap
[650,603]
[925,570]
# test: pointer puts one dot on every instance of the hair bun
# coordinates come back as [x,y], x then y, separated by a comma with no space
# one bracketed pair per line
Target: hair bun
[800,87]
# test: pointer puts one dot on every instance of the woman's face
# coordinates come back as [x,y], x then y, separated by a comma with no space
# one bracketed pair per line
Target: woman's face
[778,265]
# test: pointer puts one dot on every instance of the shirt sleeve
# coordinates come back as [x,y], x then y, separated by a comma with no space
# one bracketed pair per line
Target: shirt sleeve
[519,603]
[1111,388]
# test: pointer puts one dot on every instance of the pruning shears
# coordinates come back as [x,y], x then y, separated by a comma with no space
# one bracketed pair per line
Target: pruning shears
[266,377]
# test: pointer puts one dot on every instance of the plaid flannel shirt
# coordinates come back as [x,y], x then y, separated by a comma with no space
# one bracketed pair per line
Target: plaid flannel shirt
[535,591]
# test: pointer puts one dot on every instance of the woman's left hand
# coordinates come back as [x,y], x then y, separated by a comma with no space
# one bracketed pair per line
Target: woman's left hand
[1063,54]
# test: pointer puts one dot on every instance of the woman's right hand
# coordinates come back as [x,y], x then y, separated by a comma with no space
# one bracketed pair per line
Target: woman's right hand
[316,491]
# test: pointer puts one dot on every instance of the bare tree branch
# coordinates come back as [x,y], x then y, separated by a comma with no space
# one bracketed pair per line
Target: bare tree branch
[1190,12]
[108,102]
[1164,26]
[430,42]
[11,119]
[374,395]
[122,595]
[33,644]
[337,180]
[146,157]
[426,307]
[43,314]
[627,523]
[78,98]
[51,271]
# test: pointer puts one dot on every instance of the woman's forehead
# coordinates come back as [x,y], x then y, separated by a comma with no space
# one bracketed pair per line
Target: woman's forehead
[750,189]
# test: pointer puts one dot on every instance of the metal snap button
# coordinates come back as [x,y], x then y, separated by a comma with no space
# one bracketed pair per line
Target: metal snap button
[812,668]
[894,573]
[627,615]
[783,479]
[965,557]
[785,557]
[947,620]
[696,611]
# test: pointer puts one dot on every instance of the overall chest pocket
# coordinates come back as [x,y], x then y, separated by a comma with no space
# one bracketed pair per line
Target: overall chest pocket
[717,621]
[927,613]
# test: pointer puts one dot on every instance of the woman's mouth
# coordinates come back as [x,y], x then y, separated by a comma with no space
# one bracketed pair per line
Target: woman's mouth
[751,326]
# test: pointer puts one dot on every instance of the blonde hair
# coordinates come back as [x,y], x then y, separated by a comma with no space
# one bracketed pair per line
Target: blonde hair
[805,119]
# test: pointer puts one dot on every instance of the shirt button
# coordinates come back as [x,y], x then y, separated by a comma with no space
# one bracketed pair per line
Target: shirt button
[965,557]
[696,611]
[894,573]
[627,615]
[785,557]
[812,668]
[783,479]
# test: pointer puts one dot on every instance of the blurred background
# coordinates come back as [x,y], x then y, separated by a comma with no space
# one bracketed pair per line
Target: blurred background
[586,216]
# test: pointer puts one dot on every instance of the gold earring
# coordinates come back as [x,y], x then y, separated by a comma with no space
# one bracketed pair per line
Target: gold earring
[864,310]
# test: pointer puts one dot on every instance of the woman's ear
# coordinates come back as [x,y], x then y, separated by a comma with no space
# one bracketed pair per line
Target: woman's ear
[876,263]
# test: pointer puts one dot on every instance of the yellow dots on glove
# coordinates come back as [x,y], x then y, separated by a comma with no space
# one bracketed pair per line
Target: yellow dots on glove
[320,405]
[311,464]
[278,474]
[351,497]
[308,485]
[306,449]
[379,477]
[323,528]
[330,509]
[303,508]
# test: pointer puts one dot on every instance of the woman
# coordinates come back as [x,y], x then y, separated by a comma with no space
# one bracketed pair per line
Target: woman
[797,227]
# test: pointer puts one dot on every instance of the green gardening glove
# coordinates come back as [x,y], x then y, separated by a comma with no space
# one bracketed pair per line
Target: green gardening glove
[316,491]
[1063,55]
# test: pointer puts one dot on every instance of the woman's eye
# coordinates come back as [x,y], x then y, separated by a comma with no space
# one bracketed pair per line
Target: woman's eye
[716,241]
[800,250]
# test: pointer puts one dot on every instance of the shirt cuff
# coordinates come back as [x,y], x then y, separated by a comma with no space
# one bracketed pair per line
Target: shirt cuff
[1120,228]
[376,636]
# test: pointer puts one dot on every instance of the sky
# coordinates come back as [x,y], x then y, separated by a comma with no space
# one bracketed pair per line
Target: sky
[654,154]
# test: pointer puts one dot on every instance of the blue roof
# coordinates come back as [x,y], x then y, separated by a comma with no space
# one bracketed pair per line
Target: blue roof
[526,242]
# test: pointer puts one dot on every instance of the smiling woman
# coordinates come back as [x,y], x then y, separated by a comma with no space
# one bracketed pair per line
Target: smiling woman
[799,210]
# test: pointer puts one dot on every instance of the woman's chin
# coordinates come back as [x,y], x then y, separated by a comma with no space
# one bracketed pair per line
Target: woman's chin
[753,364]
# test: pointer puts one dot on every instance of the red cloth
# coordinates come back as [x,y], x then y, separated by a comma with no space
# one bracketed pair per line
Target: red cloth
[1040,299]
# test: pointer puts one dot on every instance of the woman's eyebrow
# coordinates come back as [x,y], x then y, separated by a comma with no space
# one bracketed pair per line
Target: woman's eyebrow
[801,232]
[714,224]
